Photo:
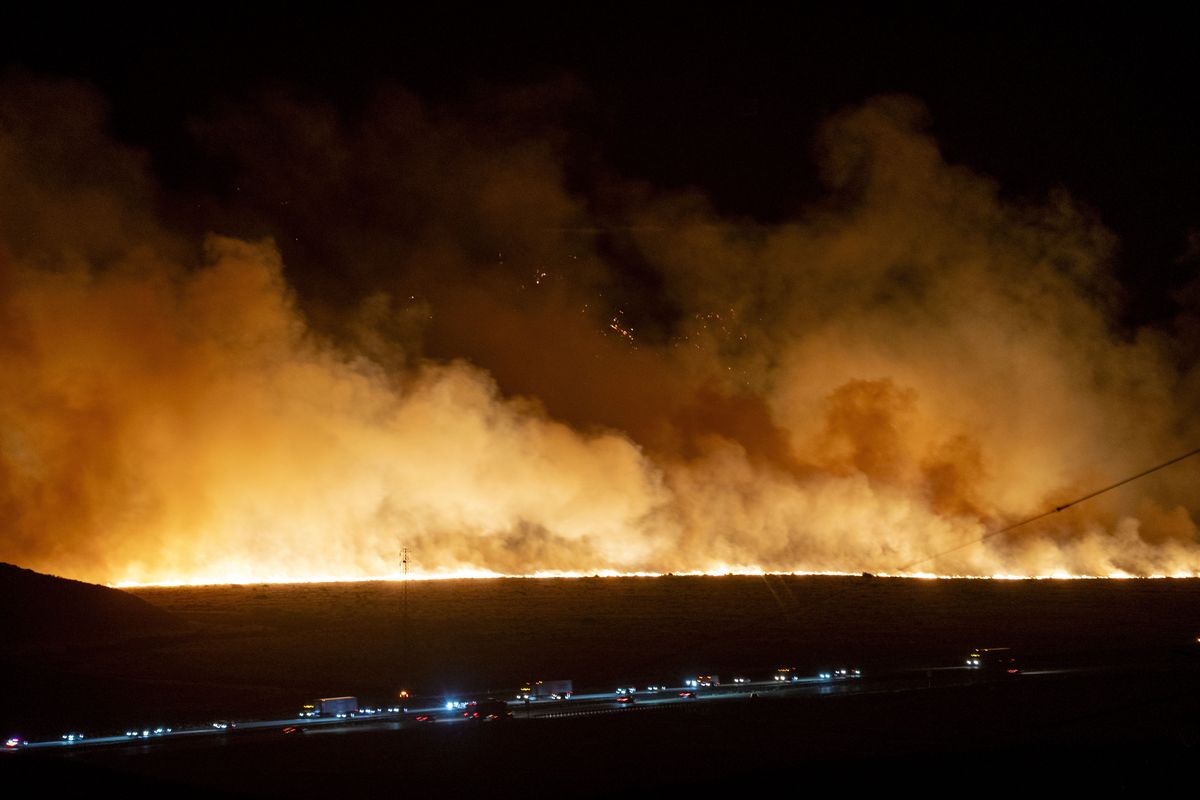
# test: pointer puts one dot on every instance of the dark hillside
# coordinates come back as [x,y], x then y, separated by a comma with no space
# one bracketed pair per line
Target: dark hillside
[44,609]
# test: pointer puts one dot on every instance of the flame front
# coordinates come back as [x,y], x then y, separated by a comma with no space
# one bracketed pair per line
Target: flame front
[851,390]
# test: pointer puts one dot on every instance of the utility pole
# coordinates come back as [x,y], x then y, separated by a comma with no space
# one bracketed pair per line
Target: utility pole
[404,676]
[404,567]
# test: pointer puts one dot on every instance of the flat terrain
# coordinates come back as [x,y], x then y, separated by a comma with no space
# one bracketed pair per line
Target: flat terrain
[1130,714]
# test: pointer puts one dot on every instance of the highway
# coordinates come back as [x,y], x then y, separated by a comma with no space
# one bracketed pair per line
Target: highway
[452,711]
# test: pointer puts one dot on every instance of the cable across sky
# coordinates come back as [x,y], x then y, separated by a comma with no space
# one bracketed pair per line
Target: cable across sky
[1055,510]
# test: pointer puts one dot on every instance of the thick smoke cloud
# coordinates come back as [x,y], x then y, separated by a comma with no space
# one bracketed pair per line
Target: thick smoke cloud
[434,327]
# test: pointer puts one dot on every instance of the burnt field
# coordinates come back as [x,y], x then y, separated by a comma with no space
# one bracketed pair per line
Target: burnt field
[259,651]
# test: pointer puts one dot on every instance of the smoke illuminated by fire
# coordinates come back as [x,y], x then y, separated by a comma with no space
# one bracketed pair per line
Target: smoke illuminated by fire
[457,362]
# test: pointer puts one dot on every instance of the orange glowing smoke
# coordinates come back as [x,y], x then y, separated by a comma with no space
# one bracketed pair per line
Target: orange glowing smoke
[856,389]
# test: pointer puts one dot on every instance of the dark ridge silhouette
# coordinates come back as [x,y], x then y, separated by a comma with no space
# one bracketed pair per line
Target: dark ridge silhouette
[44,609]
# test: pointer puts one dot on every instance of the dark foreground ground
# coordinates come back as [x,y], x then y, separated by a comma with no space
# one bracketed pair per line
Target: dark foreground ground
[1126,717]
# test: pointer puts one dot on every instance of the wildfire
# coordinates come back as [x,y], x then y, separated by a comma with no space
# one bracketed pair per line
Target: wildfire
[483,574]
[885,382]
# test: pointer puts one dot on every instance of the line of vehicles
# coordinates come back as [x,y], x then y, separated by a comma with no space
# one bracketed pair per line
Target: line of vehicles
[988,660]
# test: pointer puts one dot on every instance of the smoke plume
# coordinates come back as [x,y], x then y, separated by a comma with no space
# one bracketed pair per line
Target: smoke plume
[433,328]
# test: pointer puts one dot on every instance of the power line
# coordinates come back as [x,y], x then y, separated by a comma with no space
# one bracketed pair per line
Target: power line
[1052,511]
[791,616]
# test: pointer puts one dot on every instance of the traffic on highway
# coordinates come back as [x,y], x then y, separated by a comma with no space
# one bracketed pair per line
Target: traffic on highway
[550,699]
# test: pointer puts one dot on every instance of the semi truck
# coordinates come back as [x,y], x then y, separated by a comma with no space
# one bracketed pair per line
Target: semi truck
[1000,660]
[330,707]
[546,690]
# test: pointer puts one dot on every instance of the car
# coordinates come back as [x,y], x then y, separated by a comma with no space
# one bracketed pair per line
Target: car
[997,660]
[626,701]
[13,743]
[423,718]
[490,710]
[688,695]
[840,674]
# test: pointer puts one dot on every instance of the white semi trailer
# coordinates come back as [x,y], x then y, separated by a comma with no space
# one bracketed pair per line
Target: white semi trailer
[330,707]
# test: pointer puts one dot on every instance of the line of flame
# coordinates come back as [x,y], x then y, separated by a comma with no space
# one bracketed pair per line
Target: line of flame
[484,574]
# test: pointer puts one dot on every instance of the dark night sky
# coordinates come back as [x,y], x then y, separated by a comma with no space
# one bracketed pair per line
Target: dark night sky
[721,101]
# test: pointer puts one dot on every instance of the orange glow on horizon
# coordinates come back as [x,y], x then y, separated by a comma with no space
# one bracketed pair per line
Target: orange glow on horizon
[483,574]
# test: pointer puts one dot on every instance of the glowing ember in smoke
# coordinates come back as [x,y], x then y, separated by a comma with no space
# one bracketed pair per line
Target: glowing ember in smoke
[881,383]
